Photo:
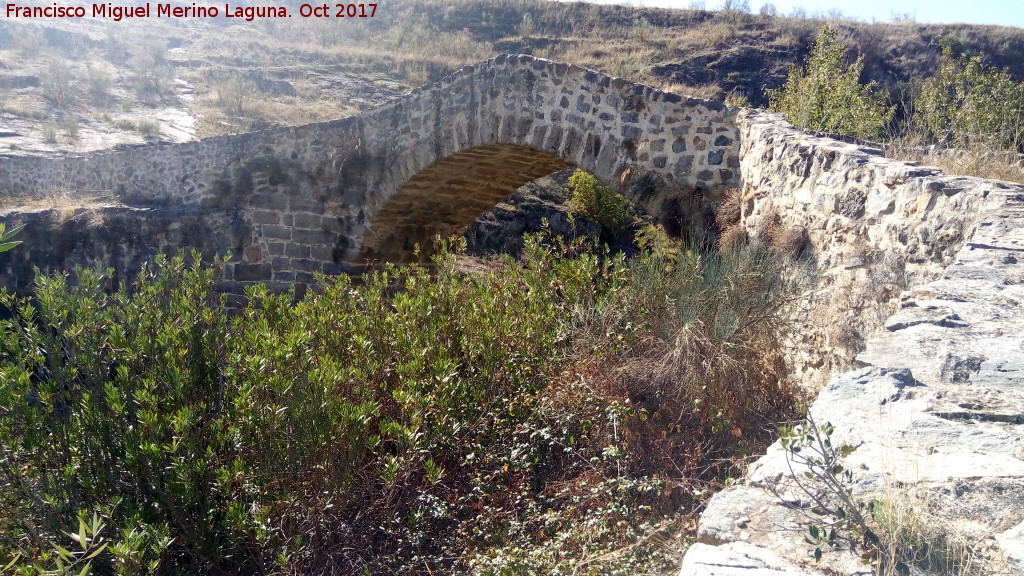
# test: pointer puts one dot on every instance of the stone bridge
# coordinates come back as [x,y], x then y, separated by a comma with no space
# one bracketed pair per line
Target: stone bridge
[325,197]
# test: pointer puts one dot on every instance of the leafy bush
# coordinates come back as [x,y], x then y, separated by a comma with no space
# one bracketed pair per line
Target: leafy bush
[592,197]
[422,422]
[971,105]
[826,95]
[6,237]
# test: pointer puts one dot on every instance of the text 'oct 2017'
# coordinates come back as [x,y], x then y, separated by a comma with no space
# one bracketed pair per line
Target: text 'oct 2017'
[118,12]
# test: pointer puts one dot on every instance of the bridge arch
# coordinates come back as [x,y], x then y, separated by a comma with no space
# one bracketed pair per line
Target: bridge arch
[458,147]
[450,194]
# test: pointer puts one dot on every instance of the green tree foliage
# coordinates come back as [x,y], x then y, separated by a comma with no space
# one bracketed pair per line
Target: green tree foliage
[971,105]
[827,95]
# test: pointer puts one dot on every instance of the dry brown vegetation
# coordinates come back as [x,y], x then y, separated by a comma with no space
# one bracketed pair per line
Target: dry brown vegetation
[982,163]
[111,75]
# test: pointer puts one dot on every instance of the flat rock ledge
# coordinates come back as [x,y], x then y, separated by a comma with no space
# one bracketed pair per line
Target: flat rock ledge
[935,408]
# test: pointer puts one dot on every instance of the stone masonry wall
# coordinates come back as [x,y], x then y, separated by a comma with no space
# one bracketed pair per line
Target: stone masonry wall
[294,201]
[926,268]
[115,237]
[875,227]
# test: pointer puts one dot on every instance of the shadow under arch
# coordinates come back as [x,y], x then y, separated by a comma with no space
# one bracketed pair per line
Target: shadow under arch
[449,195]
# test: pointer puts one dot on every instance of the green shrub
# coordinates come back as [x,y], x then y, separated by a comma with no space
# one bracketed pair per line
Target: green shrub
[971,105]
[613,211]
[420,422]
[826,95]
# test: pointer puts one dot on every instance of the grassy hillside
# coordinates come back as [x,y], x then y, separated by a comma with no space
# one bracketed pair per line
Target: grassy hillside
[88,84]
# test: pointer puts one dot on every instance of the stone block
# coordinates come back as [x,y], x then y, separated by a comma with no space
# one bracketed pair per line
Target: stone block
[336,268]
[252,254]
[265,217]
[275,232]
[251,272]
[296,204]
[880,202]
[312,236]
[269,201]
[296,250]
[306,265]
[323,253]
[311,221]
[825,202]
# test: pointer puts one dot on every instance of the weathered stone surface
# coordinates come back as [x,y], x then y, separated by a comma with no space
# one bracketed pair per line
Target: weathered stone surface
[735,560]
[919,270]
[875,226]
[1012,542]
[116,237]
[936,411]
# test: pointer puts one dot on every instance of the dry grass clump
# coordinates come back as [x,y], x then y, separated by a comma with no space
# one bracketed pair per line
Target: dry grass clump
[732,238]
[789,242]
[701,358]
[732,234]
[915,537]
[983,164]
[731,209]
[63,205]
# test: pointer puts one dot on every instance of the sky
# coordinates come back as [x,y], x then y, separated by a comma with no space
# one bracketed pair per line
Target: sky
[1004,12]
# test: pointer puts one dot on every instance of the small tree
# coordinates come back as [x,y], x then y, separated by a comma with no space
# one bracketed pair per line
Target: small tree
[826,95]
[969,104]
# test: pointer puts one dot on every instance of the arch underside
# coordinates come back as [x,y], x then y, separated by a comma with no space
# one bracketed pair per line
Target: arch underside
[445,197]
